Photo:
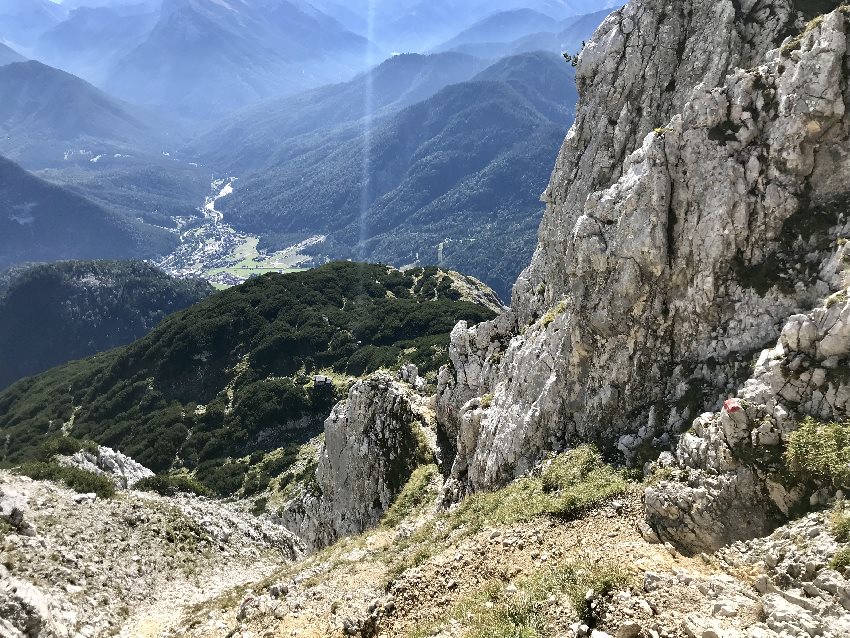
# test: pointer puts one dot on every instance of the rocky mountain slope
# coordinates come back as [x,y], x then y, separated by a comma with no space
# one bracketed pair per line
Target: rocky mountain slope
[697,224]
[654,441]
[80,308]
[74,565]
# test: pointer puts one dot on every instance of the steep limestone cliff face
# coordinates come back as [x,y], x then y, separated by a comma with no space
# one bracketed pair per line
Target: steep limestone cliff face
[729,480]
[373,442]
[670,256]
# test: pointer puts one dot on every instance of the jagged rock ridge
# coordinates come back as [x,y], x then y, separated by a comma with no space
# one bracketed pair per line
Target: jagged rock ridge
[678,236]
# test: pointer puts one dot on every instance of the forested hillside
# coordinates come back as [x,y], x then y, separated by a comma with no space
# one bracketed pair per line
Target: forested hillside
[43,222]
[54,313]
[453,180]
[233,374]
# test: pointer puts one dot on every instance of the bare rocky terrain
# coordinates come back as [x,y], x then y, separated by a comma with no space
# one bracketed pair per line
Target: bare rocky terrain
[76,565]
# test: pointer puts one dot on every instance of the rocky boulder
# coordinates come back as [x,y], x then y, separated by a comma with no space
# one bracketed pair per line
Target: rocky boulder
[730,478]
[123,470]
[373,442]
[13,509]
[24,611]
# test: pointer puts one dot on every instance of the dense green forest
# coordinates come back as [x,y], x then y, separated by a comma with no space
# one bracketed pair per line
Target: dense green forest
[232,374]
[54,313]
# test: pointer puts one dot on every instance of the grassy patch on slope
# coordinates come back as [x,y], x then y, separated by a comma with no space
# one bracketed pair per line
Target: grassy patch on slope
[568,486]
[526,610]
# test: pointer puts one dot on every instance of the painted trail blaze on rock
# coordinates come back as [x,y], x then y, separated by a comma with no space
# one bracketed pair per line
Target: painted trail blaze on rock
[732,405]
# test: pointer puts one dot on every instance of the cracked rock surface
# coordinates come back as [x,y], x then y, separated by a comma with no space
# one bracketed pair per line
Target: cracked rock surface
[373,442]
[669,257]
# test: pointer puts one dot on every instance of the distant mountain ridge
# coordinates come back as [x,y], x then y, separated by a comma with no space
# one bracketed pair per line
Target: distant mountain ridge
[504,26]
[456,176]
[421,25]
[247,50]
[23,21]
[92,38]
[251,139]
[46,112]
[79,308]
[8,55]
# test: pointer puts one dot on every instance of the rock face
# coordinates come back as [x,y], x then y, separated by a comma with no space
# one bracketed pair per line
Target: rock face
[800,595]
[373,442]
[778,586]
[730,478]
[123,470]
[693,208]
[13,512]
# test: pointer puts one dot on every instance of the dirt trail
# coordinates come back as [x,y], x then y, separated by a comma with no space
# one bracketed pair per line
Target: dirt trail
[347,582]
[172,601]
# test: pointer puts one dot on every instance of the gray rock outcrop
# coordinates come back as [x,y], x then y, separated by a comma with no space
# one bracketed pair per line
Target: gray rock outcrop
[13,511]
[24,611]
[373,442]
[730,478]
[693,208]
[123,470]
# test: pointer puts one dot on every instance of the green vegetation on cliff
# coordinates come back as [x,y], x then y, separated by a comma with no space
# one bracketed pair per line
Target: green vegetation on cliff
[233,375]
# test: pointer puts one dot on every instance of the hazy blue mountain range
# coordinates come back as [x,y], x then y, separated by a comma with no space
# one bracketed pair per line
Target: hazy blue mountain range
[453,145]
[47,113]
[420,25]
[204,57]
[41,222]
[79,308]
[505,26]
[23,21]
[569,37]
[93,39]
[464,168]
[8,55]
[108,150]
[251,139]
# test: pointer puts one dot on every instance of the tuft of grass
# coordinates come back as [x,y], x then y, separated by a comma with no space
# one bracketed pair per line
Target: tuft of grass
[413,496]
[839,522]
[568,486]
[797,42]
[841,560]
[550,316]
[839,297]
[819,453]
[81,481]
